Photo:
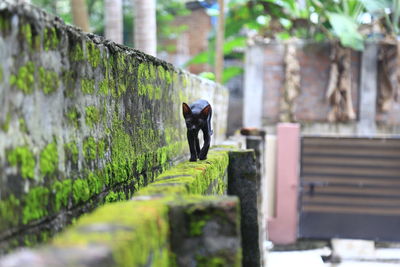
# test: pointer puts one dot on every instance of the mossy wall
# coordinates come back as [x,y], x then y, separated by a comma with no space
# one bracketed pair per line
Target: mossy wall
[83,121]
[184,218]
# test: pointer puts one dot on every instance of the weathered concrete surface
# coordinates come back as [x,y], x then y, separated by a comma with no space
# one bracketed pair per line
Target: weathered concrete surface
[243,182]
[82,121]
[368,90]
[170,223]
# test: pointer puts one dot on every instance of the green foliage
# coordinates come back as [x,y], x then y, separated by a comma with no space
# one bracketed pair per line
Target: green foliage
[346,30]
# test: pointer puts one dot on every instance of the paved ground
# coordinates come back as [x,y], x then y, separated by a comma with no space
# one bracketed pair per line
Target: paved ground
[383,257]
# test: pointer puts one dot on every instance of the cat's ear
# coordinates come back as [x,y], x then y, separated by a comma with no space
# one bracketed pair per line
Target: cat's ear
[206,111]
[186,110]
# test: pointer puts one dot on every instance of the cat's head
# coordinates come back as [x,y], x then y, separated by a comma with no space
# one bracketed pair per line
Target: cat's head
[195,121]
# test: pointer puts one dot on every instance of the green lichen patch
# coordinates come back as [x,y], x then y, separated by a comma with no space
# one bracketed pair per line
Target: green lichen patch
[24,80]
[49,159]
[1,74]
[5,125]
[35,204]
[115,196]
[76,53]
[26,32]
[50,39]
[95,184]
[48,80]
[92,116]
[9,212]
[93,54]
[24,159]
[134,240]
[22,125]
[80,191]
[72,152]
[5,23]
[73,117]
[101,148]
[202,177]
[89,148]
[87,86]
[61,191]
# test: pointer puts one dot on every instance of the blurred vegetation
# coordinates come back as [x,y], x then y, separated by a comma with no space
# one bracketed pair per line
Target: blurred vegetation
[318,20]
[167,10]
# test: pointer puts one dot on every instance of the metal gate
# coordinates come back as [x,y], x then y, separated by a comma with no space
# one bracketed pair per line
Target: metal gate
[350,188]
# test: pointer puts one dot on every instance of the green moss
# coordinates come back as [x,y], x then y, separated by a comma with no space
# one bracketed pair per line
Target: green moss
[26,32]
[5,126]
[87,86]
[35,204]
[92,116]
[196,226]
[50,40]
[62,192]
[80,191]
[111,197]
[24,159]
[76,53]
[5,24]
[206,261]
[22,125]
[101,147]
[202,177]
[73,117]
[93,53]
[136,238]
[95,184]
[89,148]
[9,212]
[71,150]
[25,79]
[48,80]
[49,159]
[103,87]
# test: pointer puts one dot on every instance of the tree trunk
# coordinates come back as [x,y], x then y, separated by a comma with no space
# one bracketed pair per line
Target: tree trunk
[145,26]
[219,51]
[113,20]
[80,15]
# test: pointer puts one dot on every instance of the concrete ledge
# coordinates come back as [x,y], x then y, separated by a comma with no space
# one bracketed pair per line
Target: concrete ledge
[201,230]
[202,177]
[168,223]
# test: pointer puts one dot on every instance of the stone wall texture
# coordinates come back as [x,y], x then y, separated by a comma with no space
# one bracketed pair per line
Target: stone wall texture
[83,121]
[182,219]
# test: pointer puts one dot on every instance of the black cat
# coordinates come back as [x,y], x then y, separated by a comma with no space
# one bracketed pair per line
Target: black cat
[198,116]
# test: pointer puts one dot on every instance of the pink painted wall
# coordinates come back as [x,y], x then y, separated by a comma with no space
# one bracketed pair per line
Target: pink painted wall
[282,229]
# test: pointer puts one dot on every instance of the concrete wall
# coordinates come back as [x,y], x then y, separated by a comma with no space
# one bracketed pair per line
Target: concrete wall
[83,121]
[171,222]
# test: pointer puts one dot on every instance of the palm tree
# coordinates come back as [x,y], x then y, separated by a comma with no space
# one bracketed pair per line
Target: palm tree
[113,20]
[80,14]
[145,26]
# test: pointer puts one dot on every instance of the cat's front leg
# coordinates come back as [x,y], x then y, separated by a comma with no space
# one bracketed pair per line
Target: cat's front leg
[197,142]
[191,139]
[206,146]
